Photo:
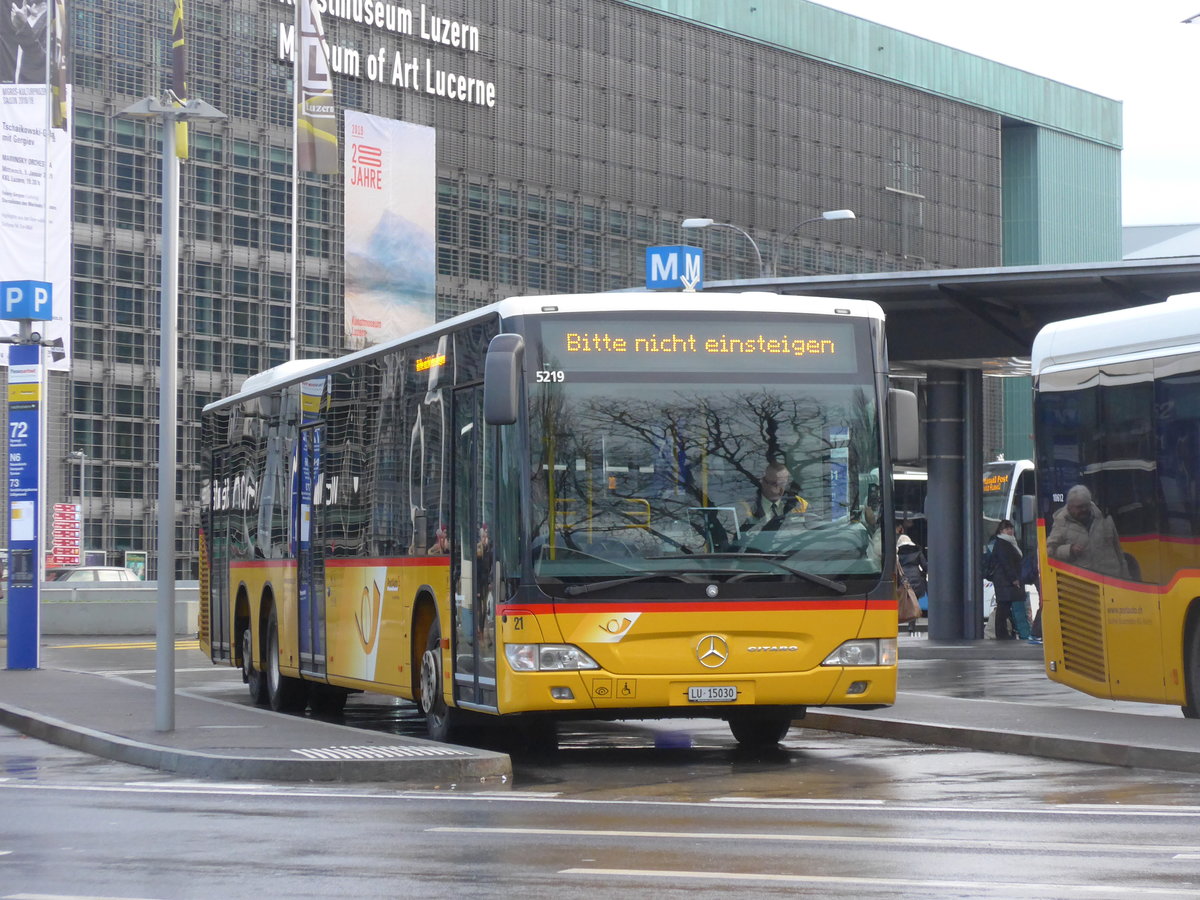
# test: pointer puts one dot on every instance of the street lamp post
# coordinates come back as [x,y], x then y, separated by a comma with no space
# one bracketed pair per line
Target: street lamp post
[827,216]
[709,223]
[763,270]
[171,111]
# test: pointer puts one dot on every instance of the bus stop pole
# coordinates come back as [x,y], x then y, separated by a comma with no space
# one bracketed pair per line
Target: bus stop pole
[164,680]
[168,111]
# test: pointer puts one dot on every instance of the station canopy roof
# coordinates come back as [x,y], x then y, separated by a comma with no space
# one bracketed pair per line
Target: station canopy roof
[987,318]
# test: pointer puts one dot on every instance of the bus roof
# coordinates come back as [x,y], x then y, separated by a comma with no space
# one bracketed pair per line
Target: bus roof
[1170,326]
[552,304]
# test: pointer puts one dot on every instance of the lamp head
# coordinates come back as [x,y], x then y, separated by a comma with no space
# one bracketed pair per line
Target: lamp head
[695,223]
[838,214]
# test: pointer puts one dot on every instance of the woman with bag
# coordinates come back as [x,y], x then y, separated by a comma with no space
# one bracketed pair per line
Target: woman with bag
[1010,592]
[911,570]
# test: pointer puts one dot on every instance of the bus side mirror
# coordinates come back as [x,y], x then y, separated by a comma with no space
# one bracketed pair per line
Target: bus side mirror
[502,379]
[903,424]
[1028,508]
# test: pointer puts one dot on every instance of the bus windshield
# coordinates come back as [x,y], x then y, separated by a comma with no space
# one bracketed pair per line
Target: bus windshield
[670,479]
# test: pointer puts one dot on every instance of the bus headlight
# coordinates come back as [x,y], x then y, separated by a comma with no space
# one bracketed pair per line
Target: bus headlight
[879,652]
[547,658]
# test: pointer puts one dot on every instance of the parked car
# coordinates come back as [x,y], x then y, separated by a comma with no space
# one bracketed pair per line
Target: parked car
[91,574]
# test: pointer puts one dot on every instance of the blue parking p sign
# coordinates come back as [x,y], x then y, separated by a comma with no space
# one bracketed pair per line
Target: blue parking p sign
[675,267]
[25,300]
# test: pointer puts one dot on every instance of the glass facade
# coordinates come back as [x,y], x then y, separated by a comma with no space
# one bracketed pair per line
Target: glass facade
[611,124]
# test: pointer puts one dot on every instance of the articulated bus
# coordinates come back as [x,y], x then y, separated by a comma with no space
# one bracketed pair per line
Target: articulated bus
[1117,431]
[546,508]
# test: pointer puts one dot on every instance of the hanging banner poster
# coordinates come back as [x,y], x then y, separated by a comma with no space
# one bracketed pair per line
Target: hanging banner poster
[35,164]
[391,266]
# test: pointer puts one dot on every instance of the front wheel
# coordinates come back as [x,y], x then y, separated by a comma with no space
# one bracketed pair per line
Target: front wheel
[442,722]
[760,730]
[1191,670]
[284,694]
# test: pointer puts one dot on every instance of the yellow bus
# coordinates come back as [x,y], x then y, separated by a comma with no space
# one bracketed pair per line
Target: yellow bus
[550,507]
[1117,432]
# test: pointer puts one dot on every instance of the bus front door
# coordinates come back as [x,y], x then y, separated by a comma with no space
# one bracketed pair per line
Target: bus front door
[472,571]
[310,553]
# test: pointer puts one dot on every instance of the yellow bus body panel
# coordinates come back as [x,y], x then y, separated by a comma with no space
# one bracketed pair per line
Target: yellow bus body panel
[650,659]
[1114,638]
[369,616]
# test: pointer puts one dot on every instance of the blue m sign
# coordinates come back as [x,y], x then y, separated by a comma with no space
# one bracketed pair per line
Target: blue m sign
[675,267]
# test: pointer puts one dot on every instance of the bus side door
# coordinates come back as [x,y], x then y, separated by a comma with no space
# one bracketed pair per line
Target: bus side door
[217,563]
[310,554]
[472,554]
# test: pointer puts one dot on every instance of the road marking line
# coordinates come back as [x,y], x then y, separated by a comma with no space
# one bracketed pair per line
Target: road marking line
[964,843]
[64,897]
[128,645]
[112,673]
[770,800]
[980,887]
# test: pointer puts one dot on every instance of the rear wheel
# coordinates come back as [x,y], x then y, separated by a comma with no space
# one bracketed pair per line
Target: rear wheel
[284,694]
[443,723]
[1191,670]
[757,730]
[253,678]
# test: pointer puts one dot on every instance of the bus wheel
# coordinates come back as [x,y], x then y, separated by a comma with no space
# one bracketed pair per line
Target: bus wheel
[1191,671]
[440,720]
[760,730]
[283,693]
[251,676]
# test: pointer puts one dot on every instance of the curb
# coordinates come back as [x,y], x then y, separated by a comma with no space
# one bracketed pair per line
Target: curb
[417,769]
[1106,753]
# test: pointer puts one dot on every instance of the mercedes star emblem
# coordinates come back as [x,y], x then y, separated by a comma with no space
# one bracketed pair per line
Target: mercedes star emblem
[712,651]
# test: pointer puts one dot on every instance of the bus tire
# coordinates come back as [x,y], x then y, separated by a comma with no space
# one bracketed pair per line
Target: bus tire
[283,693]
[1191,670]
[442,722]
[759,729]
[252,677]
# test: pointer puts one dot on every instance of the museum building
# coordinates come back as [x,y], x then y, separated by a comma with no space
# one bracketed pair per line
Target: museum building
[570,136]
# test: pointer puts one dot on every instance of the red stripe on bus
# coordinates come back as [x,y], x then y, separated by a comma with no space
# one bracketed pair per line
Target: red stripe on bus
[510,609]
[397,561]
[344,563]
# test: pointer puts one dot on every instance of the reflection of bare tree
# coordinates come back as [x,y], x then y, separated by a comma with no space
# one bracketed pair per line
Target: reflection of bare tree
[688,437]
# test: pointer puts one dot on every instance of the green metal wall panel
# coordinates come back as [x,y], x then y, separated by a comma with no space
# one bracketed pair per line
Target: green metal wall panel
[855,43]
[1018,418]
[1061,196]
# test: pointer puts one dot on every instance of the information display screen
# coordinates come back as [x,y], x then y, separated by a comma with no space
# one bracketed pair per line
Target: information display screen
[780,346]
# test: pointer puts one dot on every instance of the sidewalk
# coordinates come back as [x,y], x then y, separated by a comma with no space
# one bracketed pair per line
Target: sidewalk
[983,695]
[994,695]
[114,718]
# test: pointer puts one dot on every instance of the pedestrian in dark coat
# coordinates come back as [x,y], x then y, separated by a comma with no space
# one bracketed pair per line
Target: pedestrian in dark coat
[1010,592]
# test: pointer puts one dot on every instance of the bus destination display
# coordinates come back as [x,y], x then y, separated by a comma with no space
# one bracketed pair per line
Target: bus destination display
[654,345]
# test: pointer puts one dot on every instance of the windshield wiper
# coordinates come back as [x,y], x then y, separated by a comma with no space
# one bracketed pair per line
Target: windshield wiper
[773,559]
[574,590]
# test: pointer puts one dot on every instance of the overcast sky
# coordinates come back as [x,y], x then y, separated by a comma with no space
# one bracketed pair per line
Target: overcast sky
[1135,52]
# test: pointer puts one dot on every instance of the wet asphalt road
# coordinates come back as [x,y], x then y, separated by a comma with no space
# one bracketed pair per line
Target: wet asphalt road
[662,809]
